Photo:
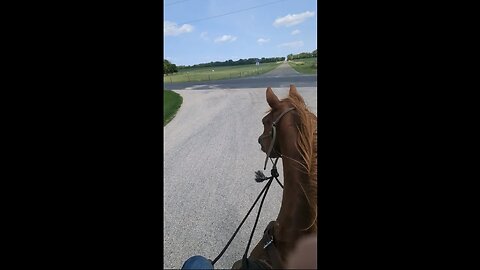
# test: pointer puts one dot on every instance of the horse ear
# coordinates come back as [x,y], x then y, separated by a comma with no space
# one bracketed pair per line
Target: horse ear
[272,99]
[294,93]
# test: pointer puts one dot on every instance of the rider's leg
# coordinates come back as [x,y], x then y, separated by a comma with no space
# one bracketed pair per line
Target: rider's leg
[198,262]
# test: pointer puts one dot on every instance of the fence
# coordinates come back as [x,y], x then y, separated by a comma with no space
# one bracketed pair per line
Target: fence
[199,77]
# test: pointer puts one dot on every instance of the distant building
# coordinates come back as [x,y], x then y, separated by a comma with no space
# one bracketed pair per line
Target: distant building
[257,62]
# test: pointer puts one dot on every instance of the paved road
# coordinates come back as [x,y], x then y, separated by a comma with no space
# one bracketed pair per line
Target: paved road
[282,76]
[210,155]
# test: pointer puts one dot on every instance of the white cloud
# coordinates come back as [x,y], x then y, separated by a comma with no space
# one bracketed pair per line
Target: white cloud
[294,19]
[225,38]
[263,40]
[294,44]
[204,35]
[295,32]
[172,29]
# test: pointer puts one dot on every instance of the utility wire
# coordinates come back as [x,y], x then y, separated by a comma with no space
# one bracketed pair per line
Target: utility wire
[232,12]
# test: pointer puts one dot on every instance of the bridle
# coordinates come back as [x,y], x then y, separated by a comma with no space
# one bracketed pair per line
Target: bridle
[259,178]
[273,133]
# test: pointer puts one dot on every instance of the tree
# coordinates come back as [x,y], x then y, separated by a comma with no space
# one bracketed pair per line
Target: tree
[169,67]
[166,66]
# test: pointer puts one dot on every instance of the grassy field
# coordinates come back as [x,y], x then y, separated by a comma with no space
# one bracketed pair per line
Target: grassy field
[171,104]
[219,73]
[306,65]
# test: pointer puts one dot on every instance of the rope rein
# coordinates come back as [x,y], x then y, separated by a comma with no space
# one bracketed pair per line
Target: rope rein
[264,190]
[259,177]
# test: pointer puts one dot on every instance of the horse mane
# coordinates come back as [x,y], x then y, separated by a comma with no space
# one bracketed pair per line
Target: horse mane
[307,145]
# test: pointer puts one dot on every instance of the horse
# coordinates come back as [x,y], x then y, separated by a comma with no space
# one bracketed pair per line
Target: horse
[295,143]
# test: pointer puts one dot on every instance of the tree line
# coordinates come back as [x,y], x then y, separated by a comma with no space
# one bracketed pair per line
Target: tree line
[169,67]
[230,62]
[172,68]
[302,55]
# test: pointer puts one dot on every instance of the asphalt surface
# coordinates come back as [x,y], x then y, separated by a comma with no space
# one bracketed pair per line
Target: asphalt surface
[280,77]
[210,156]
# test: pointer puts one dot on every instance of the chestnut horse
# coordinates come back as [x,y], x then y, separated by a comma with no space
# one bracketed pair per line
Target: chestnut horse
[296,144]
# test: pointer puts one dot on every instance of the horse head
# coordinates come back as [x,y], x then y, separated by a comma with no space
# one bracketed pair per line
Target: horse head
[290,133]
[279,118]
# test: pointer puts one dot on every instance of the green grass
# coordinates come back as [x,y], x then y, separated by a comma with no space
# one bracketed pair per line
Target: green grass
[171,104]
[220,73]
[306,65]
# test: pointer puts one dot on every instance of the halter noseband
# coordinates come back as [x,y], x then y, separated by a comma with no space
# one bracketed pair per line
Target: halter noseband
[274,131]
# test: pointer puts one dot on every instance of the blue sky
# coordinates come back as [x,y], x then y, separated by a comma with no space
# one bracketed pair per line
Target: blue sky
[289,26]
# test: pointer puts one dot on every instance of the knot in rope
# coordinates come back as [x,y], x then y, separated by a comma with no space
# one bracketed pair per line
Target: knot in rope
[260,177]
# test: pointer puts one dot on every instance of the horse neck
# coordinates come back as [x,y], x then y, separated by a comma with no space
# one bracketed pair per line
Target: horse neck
[295,208]
[295,212]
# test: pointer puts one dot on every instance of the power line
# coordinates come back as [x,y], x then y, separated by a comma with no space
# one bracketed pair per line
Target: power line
[233,12]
